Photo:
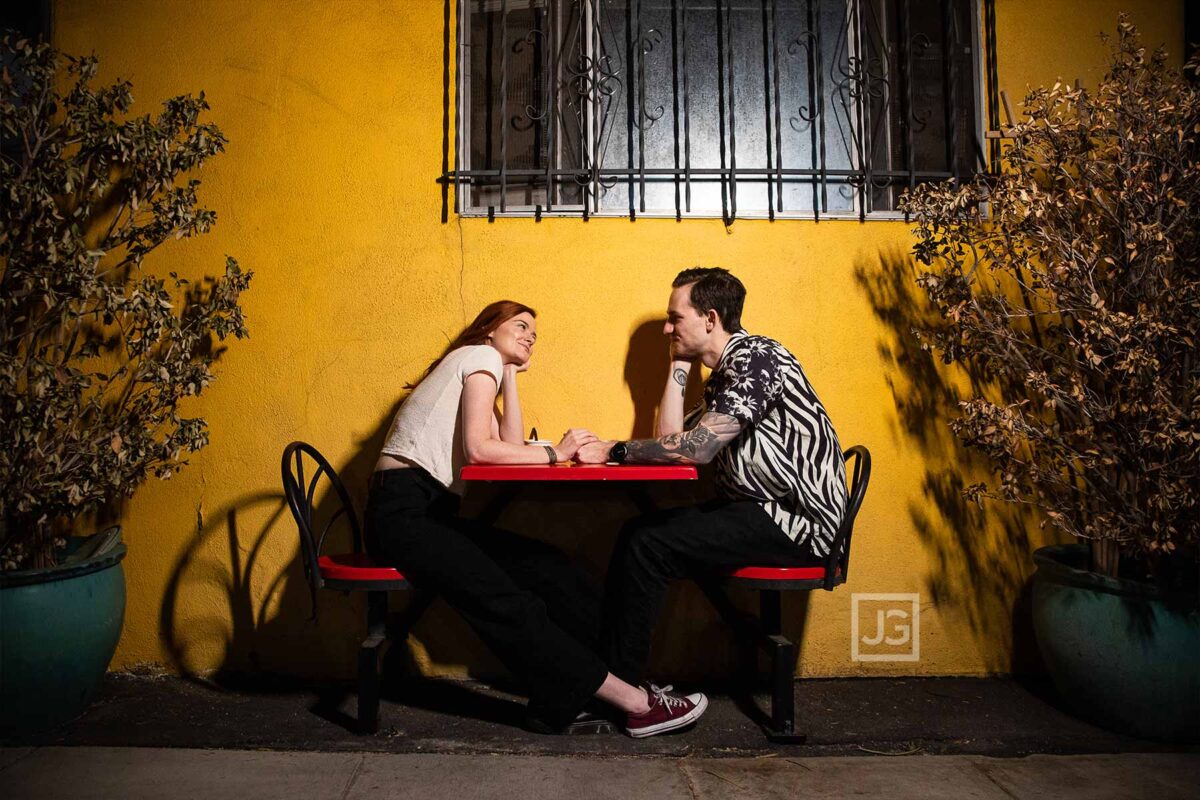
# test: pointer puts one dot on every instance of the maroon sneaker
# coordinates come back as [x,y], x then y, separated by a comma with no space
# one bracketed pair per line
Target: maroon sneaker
[668,712]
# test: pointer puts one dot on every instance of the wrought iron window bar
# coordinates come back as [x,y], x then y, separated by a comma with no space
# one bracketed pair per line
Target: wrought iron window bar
[578,56]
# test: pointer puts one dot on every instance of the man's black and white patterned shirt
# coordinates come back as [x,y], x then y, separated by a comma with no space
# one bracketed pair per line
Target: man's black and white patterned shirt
[787,457]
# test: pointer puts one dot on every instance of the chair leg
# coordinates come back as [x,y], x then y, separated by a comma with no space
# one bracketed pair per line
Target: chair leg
[765,633]
[770,615]
[368,662]
[783,670]
[783,704]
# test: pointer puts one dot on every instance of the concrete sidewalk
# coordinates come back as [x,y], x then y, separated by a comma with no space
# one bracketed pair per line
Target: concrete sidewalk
[130,773]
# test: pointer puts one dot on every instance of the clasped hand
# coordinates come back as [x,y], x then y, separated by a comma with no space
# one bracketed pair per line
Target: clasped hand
[596,452]
[588,448]
[572,442]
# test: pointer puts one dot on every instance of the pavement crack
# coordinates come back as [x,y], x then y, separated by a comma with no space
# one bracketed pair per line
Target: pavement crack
[353,777]
[727,780]
[687,779]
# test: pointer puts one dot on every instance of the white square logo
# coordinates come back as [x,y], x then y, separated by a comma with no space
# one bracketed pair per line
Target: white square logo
[890,629]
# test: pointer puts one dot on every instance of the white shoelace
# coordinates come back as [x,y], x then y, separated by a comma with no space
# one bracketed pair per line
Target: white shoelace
[668,700]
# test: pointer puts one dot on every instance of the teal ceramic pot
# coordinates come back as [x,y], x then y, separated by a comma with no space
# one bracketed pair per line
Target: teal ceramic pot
[1120,654]
[58,631]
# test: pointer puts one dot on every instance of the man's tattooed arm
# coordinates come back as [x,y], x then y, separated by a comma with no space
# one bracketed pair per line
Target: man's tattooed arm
[681,377]
[696,446]
[670,408]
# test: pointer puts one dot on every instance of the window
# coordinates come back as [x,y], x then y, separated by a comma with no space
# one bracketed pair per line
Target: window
[712,107]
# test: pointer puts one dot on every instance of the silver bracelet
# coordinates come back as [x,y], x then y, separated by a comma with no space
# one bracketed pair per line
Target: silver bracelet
[550,452]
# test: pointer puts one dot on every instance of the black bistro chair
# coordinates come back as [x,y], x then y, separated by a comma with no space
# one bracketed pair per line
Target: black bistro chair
[766,630]
[343,572]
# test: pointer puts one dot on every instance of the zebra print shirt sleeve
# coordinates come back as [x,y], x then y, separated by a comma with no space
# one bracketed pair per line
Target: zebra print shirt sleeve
[746,383]
[787,458]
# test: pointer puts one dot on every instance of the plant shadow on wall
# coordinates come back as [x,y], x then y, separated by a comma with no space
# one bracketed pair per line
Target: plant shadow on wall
[980,553]
[1061,291]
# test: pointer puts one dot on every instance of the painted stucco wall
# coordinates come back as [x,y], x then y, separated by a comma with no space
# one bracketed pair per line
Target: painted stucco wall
[328,192]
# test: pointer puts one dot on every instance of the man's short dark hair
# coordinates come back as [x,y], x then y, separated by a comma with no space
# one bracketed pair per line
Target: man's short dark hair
[715,288]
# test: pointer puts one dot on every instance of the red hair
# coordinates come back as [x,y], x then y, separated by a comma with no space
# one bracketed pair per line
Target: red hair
[493,316]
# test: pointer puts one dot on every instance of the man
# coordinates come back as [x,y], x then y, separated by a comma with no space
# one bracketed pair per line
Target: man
[780,473]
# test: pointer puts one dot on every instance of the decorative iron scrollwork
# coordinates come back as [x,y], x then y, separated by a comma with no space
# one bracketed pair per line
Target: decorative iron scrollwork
[859,91]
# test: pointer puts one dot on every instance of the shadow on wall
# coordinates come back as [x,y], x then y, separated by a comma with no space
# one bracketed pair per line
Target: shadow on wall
[980,554]
[646,365]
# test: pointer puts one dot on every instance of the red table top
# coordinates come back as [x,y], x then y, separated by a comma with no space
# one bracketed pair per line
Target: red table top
[579,472]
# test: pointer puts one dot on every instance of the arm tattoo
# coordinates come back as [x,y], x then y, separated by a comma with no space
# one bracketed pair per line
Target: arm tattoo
[681,377]
[696,446]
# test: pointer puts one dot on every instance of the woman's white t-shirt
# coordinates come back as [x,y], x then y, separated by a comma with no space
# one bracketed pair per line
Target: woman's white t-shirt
[428,427]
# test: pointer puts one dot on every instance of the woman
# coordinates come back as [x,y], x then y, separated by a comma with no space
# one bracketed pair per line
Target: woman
[520,596]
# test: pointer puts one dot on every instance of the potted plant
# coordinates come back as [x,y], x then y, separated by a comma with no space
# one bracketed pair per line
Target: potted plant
[96,355]
[1069,279]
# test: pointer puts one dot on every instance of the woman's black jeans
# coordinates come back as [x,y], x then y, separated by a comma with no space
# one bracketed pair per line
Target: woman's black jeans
[525,599]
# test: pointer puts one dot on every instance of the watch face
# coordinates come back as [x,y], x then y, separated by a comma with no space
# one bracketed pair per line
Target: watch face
[617,453]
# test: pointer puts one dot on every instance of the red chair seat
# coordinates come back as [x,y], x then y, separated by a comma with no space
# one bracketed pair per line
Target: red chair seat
[779,573]
[356,567]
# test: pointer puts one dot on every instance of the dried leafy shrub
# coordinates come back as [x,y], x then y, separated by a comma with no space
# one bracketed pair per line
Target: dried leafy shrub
[1069,279]
[95,352]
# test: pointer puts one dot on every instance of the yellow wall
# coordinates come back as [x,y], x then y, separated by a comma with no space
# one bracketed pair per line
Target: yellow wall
[327,191]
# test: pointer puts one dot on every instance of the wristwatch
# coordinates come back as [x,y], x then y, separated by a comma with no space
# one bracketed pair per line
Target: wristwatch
[618,452]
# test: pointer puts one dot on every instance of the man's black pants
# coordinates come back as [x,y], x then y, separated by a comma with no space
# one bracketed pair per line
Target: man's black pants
[525,599]
[685,542]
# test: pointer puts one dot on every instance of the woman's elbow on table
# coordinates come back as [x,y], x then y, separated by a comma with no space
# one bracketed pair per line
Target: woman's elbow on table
[475,448]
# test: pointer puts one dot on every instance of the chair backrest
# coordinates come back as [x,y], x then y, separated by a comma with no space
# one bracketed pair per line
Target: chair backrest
[300,493]
[837,563]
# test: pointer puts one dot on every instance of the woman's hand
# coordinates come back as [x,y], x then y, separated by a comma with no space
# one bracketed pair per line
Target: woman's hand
[512,369]
[594,453]
[572,440]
